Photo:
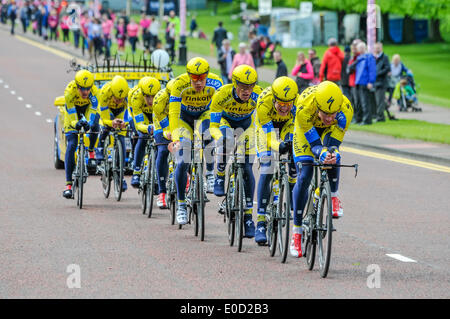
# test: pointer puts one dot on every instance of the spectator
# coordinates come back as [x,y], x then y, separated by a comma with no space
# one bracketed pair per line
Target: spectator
[75,26]
[44,22]
[264,43]
[243,57]
[175,20]
[303,71]
[366,72]
[24,17]
[315,61]
[12,15]
[398,70]
[193,27]
[146,36]
[244,29]
[281,66]
[357,111]
[65,28]
[35,16]
[170,41]
[331,63]
[154,31]
[4,13]
[97,33]
[346,90]
[53,21]
[226,55]
[132,33]
[254,47]
[121,35]
[381,83]
[219,35]
[107,26]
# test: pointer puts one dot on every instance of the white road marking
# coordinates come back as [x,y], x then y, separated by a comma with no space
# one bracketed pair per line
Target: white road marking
[13,92]
[49,120]
[20,98]
[6,86]
[28,106]
[401,258]
[38,113]
[1,81]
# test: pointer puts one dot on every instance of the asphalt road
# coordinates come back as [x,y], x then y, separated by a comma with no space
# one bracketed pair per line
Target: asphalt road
[390,208]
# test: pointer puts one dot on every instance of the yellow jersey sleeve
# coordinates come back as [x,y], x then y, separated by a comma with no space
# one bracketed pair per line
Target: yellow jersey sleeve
[161,110]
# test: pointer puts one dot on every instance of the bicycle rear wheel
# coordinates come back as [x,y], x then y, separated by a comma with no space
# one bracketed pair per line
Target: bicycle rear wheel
[150,182]
[325,229]
[118,169]
[239,208]
[284,213]
[106,173]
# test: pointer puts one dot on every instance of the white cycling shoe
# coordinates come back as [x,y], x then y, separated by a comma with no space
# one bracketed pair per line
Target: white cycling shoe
[182,217]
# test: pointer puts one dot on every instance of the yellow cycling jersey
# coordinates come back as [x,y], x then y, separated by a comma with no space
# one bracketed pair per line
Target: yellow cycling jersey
[225,103]
[307,117]
[142,113]
[161,111]
[267,118]
[109,109]
[184,98]
[77,106]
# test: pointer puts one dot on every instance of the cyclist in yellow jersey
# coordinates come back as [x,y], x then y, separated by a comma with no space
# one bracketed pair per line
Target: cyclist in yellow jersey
[275,117]
[113,106]
[162,139]
[80,111]
[188,111]
[232,113]
[141,103]
[323,117]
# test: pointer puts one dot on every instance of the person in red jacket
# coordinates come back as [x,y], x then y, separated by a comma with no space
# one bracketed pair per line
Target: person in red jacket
[332,63]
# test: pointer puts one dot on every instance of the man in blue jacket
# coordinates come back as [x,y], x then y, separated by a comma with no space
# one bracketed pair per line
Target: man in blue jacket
[366,73]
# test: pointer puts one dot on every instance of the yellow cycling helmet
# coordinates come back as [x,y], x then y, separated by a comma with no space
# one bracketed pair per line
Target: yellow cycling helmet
[329,97]
[284,89]
[244,74]
[149,85]
[84,78]
[119,87]
[169,85]
[197,66]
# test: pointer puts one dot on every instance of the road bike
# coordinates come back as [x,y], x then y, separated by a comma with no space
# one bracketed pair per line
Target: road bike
[278,211]
[171,189]
[234,201]
[112,167]
[80,173]
[318,220]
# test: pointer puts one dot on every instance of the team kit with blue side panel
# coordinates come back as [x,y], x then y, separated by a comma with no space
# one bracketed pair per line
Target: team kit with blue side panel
[309,126]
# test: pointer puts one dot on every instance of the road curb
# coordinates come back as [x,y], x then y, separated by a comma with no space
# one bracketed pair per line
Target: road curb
[416,156]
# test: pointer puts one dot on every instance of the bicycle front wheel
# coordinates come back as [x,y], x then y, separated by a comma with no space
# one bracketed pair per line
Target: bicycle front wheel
[239,208]
[309,240]
[118,169]
[284,213]
[150,187]
[272,226]
[106,172]
[200,201]
[325,229]
[80,177]
[229,213]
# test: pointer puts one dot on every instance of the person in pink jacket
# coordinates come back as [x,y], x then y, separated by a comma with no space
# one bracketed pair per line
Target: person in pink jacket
[132,32]
[243,57]
[303,71]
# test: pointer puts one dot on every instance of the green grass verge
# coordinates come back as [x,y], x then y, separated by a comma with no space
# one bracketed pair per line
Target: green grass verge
[409,129]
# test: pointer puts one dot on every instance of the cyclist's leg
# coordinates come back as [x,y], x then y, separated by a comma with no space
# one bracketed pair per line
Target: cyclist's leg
[139,153]
[162,166]
[202,127]
[302,154]
[223,146]
[69,161]
[124,152]
[95,127]
[101,142]
[183,157]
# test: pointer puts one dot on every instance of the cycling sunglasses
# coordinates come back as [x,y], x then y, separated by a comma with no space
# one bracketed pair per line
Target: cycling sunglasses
[284,103]
[83,88]
[198,77]
[245,87]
